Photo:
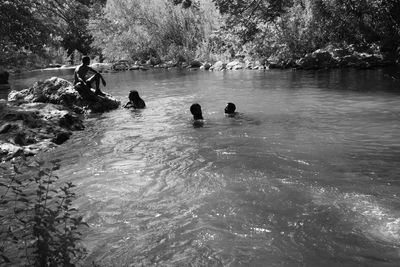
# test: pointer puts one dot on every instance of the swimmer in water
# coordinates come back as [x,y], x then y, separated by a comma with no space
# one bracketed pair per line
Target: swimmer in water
[230,110]
[135,101]
[195,109]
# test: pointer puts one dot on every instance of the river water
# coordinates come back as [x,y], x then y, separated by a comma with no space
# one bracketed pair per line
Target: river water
[307,174]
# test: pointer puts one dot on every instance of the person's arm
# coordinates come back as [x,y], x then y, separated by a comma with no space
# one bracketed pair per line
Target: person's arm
[102,80]
[96,72]
[128,105]
[79,78]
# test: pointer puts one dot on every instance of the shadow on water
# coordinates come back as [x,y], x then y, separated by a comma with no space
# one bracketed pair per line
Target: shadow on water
[306,174]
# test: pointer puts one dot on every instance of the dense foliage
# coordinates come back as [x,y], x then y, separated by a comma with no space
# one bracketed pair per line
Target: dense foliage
[155,30]
[299,26]
[39,26]
[182,30]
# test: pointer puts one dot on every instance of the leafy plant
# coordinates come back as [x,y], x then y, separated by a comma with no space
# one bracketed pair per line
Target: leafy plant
[39,225]
[142,30]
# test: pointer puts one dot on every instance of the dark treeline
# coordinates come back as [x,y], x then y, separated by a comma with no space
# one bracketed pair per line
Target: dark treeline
[40,31]
[185,30]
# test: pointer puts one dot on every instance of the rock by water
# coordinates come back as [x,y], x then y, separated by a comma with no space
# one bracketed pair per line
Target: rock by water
[29,128]
[59,91]
[44,116]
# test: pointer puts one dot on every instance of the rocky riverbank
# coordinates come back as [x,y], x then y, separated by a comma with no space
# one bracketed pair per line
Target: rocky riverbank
[327,58]
[349,56]
[44,116]
[330,57]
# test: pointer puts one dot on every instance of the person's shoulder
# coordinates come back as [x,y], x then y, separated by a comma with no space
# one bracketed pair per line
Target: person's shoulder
[231,115]
[198,123]
[79,67]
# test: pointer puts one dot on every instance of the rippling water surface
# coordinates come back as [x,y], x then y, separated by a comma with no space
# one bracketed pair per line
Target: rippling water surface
[307,174]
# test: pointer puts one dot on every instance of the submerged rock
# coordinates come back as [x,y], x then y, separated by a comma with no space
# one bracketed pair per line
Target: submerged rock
[59,91]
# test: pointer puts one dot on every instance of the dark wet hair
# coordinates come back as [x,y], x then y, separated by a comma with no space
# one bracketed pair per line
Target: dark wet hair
[85,59]
[230,108]
[133,95]
[195,109]
[135,101]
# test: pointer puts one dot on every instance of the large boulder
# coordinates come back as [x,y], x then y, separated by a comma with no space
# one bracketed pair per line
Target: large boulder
[59,91]
[317,60]
[195,64]
[102,67]
[121,65]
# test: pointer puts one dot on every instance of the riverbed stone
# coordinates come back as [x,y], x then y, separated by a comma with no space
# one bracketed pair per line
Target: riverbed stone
[234,65]
[206,66]
[59,91]
[345,56]
[218,66]
[9,150]
[102,67]
[121,65]
[195,64]
[317,60]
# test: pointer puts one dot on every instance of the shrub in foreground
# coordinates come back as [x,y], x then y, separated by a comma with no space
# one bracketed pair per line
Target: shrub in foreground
[39,226]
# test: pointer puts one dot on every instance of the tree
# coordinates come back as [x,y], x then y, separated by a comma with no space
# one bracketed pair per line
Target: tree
[152,29]
[21,31]
[247,16]
[70,18]
[20,27]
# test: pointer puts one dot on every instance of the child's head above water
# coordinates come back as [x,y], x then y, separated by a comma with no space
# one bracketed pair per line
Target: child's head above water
[86,60]
[195,109]
[230,108]
[135,101]
[134,95]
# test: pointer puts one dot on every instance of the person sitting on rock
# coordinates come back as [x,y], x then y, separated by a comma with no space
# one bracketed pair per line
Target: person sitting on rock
[195,109]
[82,84]
[230,110]
[135,101]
